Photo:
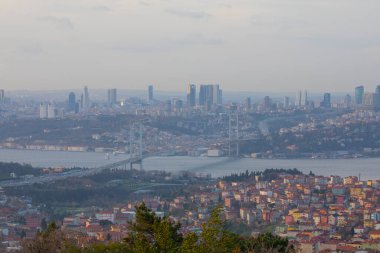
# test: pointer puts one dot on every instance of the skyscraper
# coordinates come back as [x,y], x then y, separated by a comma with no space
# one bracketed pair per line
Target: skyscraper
[377,92]
[369,101]
[210,94]
[304,99]
[72,101]
[220,96]
[43,111]
[215,94]
[86,99]
[298,101]
[2,94]
[51,111]
[301,99]
[377,89]
[81,102]
[150,94]
[202,94]
[78,106]
[326,103]
[168,106]
[286,102]
[248,104]
[112,97]
[359,94]
[178,104]
[267,103]
[347,101]
[191,95]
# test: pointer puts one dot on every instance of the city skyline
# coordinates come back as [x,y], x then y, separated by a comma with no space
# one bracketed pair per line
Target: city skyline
[189,126]
[246,45]
[183,89]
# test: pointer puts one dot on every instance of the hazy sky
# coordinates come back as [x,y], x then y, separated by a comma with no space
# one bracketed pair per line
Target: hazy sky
[255,45]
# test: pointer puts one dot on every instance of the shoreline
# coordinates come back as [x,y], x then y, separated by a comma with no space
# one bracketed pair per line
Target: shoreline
[356,156]
[216,166]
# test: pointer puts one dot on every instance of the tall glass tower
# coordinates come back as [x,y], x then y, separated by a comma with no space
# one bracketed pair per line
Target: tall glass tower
[150,94]
[191,95]
[359,93]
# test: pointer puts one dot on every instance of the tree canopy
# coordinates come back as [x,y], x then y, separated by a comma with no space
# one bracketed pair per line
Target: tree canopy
[153,234]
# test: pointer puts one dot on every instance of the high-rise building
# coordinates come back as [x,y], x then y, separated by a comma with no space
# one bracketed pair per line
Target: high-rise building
[150,94]
[2,95]
[304,100]
[178,104]
[267,103]
[168,106]
[301,99]
[220,96]
[286,102]
[71,102]
[359,94]
[191,95]
[248,104]
[51,111]
[377,92]
[326,103]
[298,101]
[202,94]
[112,97]
[81,102]
[210,94]
[347,101]
[215,98]
[43,111]
[369,101]
[78,106]
[86,99]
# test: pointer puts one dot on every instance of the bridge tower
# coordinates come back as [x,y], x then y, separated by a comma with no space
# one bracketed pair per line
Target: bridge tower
[136,156]
[141,145]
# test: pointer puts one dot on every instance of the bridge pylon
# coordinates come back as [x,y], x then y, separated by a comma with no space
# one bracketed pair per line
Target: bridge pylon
[233,135]
[136,156]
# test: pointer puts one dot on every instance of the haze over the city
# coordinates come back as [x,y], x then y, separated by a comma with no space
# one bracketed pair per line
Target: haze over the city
[255,45]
